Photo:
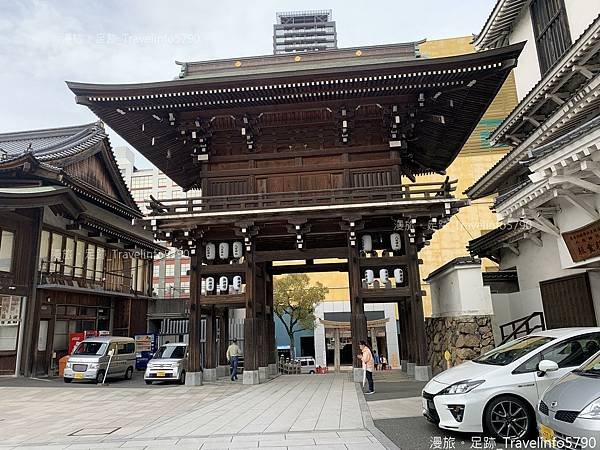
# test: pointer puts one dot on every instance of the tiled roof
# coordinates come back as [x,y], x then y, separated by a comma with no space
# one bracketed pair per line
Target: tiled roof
[499,23]
[52,143]
[458,261]
[265,64]
[556,76]
[546,149]
[484,245]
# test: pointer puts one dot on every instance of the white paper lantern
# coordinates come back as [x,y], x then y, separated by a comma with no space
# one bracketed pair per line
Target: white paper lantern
[237,283]
[369,276]
[367,242]
[223,284]
[210,251]
[237,249]
[399,275]
[384,276]
[396,241]
[210,284]
[223,250]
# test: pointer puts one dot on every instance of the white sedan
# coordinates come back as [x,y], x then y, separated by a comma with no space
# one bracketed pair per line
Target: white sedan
[498,392]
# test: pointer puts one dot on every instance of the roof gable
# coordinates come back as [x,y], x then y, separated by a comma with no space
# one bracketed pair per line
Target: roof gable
[80,156]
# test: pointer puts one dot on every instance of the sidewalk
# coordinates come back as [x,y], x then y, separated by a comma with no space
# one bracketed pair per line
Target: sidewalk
[295,411]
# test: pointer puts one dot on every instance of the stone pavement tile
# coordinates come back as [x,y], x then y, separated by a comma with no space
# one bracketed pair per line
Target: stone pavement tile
[354,433]
[190,442]
[356,440]
[317,447]
[329,440]
[259,437]
[154,443]
[42,447]
[371,446]
[95,445]
[242,444]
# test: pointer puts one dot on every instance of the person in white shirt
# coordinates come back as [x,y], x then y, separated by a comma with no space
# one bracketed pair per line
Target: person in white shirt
[233,354]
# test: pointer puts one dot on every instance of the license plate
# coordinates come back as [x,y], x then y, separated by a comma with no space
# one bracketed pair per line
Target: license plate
[160,374]
[78,376]
[546,433]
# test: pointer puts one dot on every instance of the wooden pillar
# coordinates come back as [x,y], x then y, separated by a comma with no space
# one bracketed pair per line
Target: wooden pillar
[251,333]
[211,337]
[223,336]
[194,360]
[271,350]
[418,318]
[358,321]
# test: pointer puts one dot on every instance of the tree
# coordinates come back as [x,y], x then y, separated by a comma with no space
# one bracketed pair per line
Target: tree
[294,302]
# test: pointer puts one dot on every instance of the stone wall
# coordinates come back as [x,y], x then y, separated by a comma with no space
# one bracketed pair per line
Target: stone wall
[465,337]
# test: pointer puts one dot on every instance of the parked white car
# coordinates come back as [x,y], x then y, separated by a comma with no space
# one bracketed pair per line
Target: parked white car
[498,392]
[569,413]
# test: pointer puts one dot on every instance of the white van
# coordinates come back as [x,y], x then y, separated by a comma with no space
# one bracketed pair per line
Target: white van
[307,364]
[90,357]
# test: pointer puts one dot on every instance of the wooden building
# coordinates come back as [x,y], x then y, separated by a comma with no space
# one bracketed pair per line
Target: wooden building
[71,260]
[305,157]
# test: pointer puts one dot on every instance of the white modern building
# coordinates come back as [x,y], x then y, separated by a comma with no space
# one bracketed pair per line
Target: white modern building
[548,185]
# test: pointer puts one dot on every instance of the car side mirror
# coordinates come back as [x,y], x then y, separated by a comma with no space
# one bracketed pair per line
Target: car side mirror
[546,366]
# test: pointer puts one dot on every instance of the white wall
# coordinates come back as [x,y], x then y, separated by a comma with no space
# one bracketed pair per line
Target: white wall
[580,14]
[320,347]
[527,72]
[459,290]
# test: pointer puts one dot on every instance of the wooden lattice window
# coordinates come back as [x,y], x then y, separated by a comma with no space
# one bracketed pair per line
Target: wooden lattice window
[551,31]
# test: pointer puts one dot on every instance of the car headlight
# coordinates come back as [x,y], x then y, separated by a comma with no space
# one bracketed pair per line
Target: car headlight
[68,365]
[591,411]
[93,366]
[462,387]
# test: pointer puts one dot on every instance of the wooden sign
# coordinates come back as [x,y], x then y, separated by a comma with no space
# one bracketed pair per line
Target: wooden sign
[583,243]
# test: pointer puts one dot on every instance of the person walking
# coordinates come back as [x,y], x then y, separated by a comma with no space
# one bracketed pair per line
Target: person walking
[368,365]
[383,362]
[376,360]
[233,354]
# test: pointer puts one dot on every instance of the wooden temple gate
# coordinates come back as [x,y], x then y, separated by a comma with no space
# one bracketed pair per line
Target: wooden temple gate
[311,158]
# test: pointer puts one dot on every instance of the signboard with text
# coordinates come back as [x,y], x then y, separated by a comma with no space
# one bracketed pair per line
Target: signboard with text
[583,243]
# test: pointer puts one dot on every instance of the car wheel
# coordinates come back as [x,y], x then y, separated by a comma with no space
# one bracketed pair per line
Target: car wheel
[311,372]
[509,418]
[68,380]
[181,379]
[148,381]
[99,377]
[128,373]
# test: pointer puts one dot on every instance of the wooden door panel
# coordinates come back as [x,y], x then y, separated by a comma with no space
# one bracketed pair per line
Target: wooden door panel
[568,302]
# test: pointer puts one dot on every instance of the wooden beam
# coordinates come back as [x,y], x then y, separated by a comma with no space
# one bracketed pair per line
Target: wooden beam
[309,268]
[580,203]
[294,255]
[561,179]
[222,269]
[385,293]
[234,300]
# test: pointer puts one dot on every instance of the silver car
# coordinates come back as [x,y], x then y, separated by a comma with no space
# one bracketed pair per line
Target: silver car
[569,412]
[91,357]
[168,363]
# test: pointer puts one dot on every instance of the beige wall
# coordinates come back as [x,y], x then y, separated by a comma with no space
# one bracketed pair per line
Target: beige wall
[475,158]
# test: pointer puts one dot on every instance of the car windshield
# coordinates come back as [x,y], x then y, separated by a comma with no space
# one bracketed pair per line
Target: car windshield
[170,351]
[513,350]
[90,348]
[591,368]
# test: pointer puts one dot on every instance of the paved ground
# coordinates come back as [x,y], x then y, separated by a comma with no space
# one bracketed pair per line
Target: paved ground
[396,410]
[294,411]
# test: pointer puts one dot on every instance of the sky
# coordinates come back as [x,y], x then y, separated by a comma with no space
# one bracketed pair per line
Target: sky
[44,43]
